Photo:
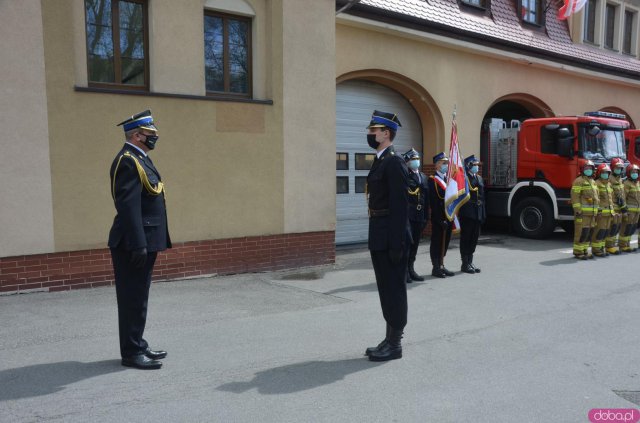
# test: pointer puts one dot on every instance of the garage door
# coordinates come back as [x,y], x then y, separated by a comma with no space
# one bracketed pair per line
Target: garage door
[355,101]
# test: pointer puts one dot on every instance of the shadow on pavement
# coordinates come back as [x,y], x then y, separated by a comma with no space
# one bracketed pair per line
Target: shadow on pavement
[45,379]
[556,262]
[299,377]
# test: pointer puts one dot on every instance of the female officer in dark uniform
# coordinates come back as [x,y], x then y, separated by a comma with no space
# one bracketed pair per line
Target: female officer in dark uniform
[389,235]
[418,208]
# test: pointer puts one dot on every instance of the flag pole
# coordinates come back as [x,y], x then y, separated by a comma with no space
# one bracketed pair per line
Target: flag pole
[444,230]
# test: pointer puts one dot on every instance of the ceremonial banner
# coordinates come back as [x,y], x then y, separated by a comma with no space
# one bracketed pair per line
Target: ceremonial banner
[457,192]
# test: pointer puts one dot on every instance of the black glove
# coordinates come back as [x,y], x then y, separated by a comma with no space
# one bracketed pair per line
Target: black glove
[395,256]
[138,257]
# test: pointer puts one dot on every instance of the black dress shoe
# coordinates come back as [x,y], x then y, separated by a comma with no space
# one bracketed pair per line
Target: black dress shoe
[447,272]
[437,272]
[414,276]
[141,362]
[155,355]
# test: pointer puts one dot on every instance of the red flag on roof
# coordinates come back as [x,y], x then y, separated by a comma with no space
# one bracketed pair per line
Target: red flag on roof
[570,7]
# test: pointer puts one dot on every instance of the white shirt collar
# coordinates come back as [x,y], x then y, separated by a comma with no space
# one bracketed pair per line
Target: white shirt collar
[137,148]
[441,175]
[379,153]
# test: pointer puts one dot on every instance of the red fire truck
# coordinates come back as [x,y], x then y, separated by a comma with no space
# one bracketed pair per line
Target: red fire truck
[529,166]
[632,140]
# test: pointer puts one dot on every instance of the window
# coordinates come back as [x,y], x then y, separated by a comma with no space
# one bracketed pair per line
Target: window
[549,139]
[342,161]
[628,32]
[609,33]
[361,184]
[117,34]
[590,21]
[531,11]
[364,161]
[484,4]
[227,54]
[342,184]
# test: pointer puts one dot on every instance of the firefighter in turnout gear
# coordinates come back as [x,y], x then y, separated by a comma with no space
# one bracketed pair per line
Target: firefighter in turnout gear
[418,208]
[584,199]
[632,200]
[605,210]
[619,205]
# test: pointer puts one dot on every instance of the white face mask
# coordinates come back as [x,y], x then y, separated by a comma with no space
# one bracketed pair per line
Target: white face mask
[414,164]
[444,168]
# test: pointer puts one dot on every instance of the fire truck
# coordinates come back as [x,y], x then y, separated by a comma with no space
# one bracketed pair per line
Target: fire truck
[529,166]
[632,140]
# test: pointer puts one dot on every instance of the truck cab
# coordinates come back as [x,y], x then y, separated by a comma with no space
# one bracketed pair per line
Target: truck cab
[536,192]
[632,141]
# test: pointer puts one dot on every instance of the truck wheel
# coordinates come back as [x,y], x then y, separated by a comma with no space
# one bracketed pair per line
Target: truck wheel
[533,218]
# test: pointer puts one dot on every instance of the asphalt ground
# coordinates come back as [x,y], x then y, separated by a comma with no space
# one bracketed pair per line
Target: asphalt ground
[536,337]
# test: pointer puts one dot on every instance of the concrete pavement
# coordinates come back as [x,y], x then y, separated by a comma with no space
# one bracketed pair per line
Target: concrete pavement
[537,336]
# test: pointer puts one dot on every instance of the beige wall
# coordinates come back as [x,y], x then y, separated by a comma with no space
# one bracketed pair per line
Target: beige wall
[26,215]
[225,164]
[472,79]
[309,115]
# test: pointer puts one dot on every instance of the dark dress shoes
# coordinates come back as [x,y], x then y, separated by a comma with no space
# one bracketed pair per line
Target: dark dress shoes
[447,272]
[141,362]
[414,276]
[155,355]
[437,272]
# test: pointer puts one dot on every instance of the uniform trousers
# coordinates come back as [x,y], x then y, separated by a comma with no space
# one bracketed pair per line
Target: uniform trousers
[629,226]
[469,234]
[582,233]
[603,222]
[438,233]
[614,229]
[132,292]
[392,288]
[416,234]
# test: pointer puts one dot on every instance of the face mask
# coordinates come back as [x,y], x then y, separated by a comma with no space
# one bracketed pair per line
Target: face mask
[474,169]
[634,176]
[444,168]
[371,140]
[617,171]
[588,172]
[150,141]
[414,164]
[605,176]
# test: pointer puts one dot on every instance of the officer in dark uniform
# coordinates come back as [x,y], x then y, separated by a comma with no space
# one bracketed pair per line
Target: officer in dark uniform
[472,214]
[440,226]
[418,208]
[389,233]
[139,231]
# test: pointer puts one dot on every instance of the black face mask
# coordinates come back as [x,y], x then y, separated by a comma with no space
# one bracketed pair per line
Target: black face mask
[150,141]
[371,140]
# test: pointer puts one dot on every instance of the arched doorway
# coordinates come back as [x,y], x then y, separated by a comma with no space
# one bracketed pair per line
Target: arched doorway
[357,95]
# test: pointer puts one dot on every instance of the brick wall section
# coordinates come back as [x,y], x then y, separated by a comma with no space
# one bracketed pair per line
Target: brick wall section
[92,268]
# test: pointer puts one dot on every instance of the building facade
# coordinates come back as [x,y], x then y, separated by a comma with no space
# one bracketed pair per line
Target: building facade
[253,100]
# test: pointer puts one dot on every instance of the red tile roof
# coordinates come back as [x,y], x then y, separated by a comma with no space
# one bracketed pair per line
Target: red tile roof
[502,28]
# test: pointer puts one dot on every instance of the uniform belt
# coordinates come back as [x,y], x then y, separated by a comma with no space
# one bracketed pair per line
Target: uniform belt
[378,213]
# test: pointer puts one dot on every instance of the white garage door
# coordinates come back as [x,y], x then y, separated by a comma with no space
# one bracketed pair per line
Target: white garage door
[355,101]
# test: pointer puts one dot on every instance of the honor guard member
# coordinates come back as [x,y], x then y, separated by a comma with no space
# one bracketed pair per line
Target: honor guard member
[605,210]
[139,231]
[418,208]
[584,200]
[472,215]
[619,206]
[632,200]
[389,234]
[440,226]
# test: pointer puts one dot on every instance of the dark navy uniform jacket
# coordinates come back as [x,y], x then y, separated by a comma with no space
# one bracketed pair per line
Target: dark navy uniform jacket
[387,185]
[436,200]
[418,204]
[141,219]
[474,208]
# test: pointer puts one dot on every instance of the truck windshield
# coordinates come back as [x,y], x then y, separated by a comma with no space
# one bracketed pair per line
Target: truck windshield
[605,145]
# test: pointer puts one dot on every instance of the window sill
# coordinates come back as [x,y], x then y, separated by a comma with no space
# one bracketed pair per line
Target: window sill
[169,95]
